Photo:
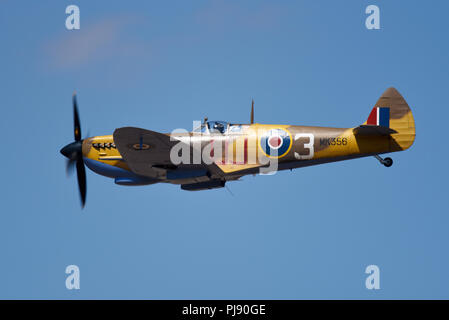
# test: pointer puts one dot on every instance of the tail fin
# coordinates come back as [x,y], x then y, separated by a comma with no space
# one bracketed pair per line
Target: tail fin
[392,111]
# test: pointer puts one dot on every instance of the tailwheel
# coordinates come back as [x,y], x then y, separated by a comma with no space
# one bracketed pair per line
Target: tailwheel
[387,162]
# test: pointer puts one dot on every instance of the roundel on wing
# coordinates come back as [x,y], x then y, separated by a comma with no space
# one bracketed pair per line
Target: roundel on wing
[276,142]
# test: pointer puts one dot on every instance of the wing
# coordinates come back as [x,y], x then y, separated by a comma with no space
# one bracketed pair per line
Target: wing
[236,168]
[142,149]
[147,152]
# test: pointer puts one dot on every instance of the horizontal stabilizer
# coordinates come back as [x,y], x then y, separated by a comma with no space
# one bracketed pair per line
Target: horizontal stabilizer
[370,130]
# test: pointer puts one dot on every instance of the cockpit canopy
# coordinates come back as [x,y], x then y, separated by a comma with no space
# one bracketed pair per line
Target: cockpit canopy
[213,127]
[218,127]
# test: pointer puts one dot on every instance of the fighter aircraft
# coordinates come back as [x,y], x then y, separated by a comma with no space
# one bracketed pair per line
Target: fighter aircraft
[216,152]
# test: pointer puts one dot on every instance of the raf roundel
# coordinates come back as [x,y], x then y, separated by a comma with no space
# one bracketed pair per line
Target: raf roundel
[276,143]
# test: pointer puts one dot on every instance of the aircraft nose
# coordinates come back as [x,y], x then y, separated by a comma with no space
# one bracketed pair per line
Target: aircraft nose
[70,150]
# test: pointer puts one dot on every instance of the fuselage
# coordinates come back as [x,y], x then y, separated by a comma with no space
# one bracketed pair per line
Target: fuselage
[241,149]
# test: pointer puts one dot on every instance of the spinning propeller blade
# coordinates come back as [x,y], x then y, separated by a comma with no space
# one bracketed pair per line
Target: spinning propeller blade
[74,153]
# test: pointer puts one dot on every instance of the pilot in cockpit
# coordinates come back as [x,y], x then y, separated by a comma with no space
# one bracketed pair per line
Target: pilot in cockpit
[218,126]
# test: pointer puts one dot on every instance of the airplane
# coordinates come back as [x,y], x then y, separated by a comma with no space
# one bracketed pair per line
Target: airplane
[216,152]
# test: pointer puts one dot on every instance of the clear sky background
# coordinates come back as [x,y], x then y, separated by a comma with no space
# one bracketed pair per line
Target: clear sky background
[309,233]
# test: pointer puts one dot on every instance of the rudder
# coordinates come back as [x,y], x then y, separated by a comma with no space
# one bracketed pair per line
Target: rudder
[392,111]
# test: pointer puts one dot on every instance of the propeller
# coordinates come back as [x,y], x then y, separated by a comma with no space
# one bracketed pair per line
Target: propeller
[74,153]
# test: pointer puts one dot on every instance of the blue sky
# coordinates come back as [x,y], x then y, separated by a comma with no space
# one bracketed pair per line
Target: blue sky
[304,234]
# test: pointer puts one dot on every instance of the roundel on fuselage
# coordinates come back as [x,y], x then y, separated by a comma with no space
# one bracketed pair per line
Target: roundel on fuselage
[276,143]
